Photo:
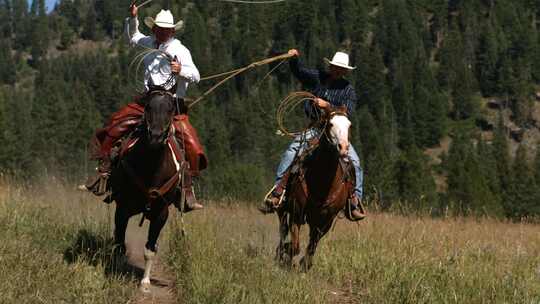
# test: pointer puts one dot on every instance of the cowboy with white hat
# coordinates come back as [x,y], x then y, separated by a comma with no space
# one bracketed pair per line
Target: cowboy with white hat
[331,89]
[174,59]
[157,68]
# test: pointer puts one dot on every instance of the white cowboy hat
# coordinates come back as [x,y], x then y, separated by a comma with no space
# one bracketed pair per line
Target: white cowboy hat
[341,60]
[163,19]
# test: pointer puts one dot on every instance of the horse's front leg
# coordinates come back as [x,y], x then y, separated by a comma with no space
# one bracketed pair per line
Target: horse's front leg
[121,219]
[157,221]
[295,239]
[282,250]
[316,232]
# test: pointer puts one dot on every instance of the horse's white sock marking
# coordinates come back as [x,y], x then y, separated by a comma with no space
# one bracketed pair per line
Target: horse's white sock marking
[149,256]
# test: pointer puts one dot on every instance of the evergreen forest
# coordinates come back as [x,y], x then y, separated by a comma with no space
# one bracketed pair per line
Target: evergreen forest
[447,120]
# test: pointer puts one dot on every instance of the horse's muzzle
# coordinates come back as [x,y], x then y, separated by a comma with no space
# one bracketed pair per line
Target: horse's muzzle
[157,139]
[343,150]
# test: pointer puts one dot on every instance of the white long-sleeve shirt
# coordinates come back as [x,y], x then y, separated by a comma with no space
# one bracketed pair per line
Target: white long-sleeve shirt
[157,68]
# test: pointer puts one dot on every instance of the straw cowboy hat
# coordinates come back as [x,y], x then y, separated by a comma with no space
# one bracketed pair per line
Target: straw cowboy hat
[164,19]
[341,60]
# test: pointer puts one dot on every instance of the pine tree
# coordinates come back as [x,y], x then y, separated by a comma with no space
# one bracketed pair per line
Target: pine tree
[90,29]
[70,10]
[21,24]
[502,155]
[488,170]
[377,159]
[522,195]
[196,38]
[6,30]
[430,109]
[39,34]
[373,90]
[67,35]
[487,60]
[8,70]
[415,182]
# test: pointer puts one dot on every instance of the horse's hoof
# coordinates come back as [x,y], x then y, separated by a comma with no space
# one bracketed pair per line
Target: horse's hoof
[145,286]
[305,265]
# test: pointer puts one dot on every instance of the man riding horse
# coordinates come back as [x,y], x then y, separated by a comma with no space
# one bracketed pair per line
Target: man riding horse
[169,68]
[331,90]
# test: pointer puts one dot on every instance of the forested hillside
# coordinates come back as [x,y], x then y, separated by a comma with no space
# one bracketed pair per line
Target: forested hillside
[447,117]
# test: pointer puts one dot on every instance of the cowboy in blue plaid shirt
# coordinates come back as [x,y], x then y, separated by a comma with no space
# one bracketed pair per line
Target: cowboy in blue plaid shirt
[331,89]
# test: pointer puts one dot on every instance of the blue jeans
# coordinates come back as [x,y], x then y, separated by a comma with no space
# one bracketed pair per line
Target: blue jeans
[300,143]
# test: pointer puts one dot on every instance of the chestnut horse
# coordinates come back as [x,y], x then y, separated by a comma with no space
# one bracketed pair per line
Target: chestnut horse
[317,190]
[148,174]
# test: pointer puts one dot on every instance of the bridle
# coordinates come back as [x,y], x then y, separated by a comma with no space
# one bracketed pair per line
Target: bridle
[147,98]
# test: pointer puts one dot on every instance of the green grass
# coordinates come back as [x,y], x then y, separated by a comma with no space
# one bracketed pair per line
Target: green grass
[227,257]
[55,248]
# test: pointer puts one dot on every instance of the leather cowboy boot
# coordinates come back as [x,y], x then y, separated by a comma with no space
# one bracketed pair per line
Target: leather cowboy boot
[272,200]
[357,211]
[187,188]
[98,183]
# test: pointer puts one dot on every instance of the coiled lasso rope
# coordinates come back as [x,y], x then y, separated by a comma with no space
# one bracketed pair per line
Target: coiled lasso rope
[287,105]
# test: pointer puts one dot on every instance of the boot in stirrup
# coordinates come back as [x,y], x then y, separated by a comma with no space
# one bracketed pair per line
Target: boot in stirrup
[98,184]
[189,193]
[355,210]
[271,201]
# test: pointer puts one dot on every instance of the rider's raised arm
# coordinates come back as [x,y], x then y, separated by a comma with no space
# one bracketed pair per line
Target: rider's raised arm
[188,69]
[134,35]
[308,77]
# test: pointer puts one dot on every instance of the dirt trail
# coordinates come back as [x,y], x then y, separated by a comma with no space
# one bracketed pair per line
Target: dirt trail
[162,289]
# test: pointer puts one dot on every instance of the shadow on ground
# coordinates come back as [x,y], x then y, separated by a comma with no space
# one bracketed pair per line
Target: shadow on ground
[95,250]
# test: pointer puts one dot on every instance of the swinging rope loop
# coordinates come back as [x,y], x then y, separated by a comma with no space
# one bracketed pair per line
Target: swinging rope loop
[286,106]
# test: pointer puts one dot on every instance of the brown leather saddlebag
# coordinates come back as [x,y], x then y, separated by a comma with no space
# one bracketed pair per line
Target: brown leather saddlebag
[121,123]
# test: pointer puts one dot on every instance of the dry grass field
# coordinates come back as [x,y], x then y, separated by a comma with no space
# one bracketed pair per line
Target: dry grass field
[55,247]
[227,257]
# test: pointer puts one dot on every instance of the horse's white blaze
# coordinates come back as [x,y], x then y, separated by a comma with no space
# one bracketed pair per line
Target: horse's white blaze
[339,133]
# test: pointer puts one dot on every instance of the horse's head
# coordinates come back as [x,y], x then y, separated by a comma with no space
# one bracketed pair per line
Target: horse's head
[337,130]
[158,115]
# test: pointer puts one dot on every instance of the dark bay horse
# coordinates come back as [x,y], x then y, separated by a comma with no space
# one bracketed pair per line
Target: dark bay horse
[318,190]
[148,174]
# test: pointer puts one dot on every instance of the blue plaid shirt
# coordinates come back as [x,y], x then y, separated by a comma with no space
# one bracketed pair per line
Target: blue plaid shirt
[338,93]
